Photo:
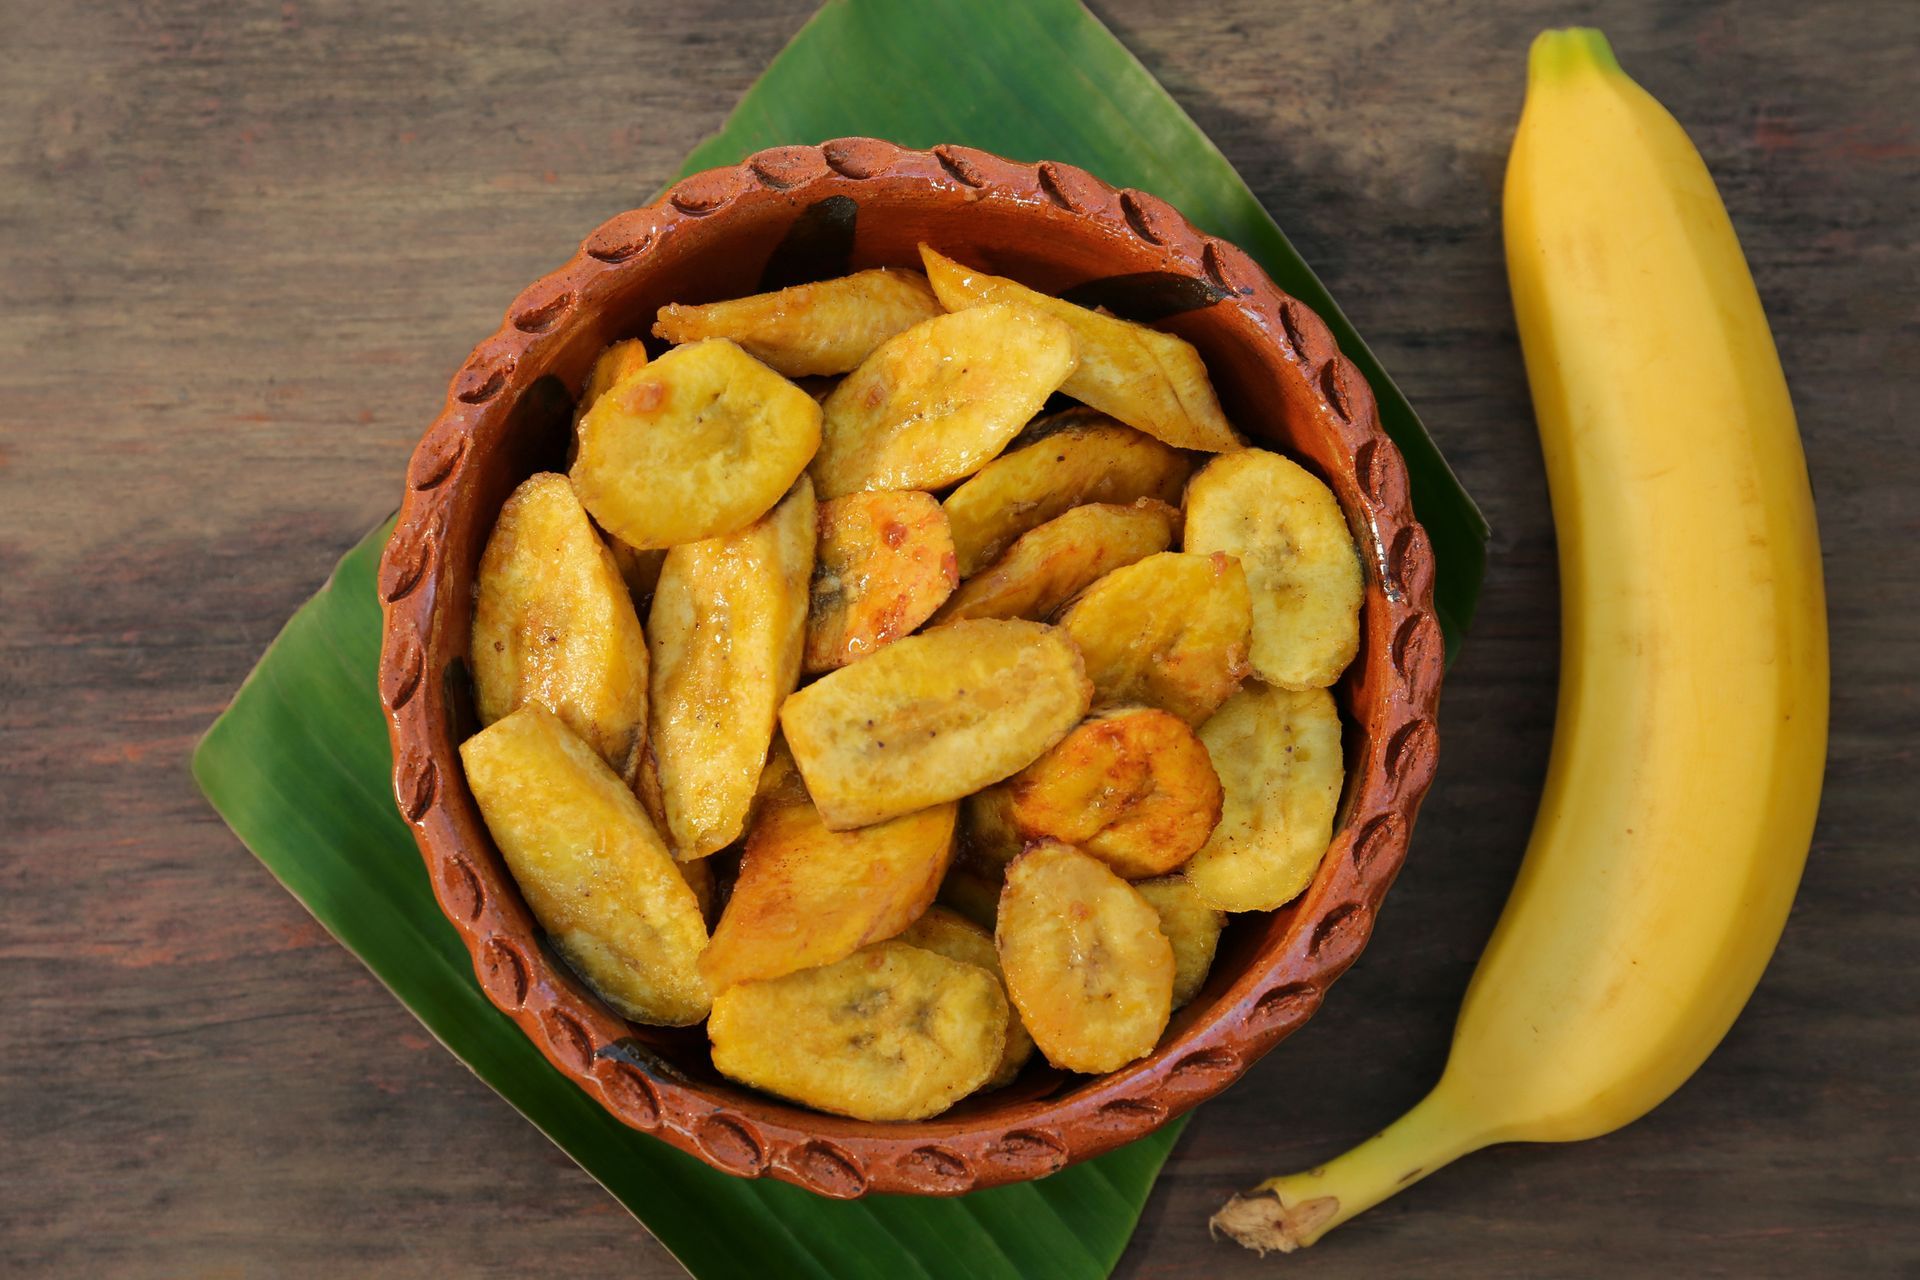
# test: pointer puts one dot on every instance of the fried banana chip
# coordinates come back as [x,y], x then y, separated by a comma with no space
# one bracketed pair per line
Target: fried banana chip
[807,896]
[1030,485]
[1278,755]
[892,1032]
[1191,926]
[1169,631]
[727,626]
[553,624]
[698,444]
[1133,787]
[883,565]
[934,404]
[1145,378]
[1303,571]
[933,717]
[591,866]
[959,938]
[1048,566]
[1084,959]
[828,326]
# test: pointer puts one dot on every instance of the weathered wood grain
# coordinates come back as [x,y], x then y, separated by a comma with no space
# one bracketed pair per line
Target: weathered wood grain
[243,246]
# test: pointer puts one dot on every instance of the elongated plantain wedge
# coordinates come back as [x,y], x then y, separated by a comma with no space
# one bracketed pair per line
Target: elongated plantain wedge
[892,1032]
[958,938]
[933,404]
[1030,485]
[1048,566]
[1084,959]
[883,565]
[933,717]
[1303,571]
[698,444]
[1133,787]
[826,327]
[1191,926]
[591,866]
[728,622]
[1170,631]
[1277,752]
[1145,378]
[553,624]
[807,896]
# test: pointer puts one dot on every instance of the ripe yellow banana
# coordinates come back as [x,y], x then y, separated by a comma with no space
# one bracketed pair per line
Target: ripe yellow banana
[1692,724]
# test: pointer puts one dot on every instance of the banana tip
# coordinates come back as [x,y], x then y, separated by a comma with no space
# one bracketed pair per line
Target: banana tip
[1565,51]
[1261,1222]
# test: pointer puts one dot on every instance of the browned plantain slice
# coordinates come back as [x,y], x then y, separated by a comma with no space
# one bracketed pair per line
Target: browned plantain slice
[807,896]
[1145,378]
[1191,926]
[1084,958]
[933,404]
[727,626]
[1169,631]
[1281,768]
[933,717]
[1133,787]
[553,624]
[590,865]
[1048,566]
[884,564]
[1302,568]
[892,1032]
[972,892]
[698,444]
[826,327]
[1024,488]
[959,938]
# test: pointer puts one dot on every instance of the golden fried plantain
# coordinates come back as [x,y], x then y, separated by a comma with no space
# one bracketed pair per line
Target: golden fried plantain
[1049,565]
[988,838]
[972,892]
[892,1032]
[807,896]
[933,717]
[1145,378]
[591,866]
[1191,926]
[883,565]
[1133,787]
[934,404]
[1028,486]
[828,326]
[958,938]
[698,444]
[640,570]
[1084,959]
[1169,631]
[553,624]
[1281,768]
[728,622]
[1303,571]
[699,877]
[610,368]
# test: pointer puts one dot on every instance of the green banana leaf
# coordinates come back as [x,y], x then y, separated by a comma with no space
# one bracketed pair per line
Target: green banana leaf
[299,765]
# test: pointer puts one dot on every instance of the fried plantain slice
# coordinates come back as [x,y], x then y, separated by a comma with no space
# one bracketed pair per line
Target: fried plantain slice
[826,327]
[1145,378]
[883,565]
[1084,958]
[932,405]
[892,1032]
[1169,631]
[933,717]
[958,938]
[1191,926]
[726,630]
[1049,565]
[1303,570]
[698,444]
[1281,769]
[553,624]
[592,868]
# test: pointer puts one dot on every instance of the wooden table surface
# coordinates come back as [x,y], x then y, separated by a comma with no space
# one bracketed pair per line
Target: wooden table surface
[242,247]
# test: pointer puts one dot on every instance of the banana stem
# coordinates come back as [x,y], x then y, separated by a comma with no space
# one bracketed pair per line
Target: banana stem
[1293,1211]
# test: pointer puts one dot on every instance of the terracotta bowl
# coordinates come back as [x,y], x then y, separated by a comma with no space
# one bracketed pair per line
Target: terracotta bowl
[798,213]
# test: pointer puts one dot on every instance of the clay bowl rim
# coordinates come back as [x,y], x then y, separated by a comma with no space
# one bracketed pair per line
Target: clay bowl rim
[1394,691]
